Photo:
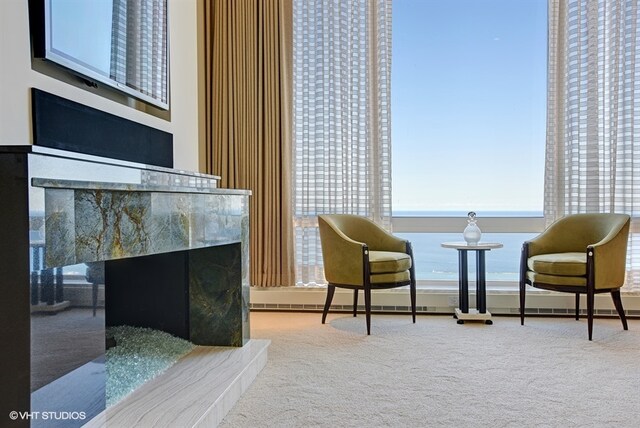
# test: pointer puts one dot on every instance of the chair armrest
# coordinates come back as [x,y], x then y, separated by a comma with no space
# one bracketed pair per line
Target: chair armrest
[384,241]
[343,257]
[610,258]
[524,257]
[541,244]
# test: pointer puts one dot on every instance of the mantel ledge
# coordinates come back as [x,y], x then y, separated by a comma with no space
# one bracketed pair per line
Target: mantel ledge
[50,183]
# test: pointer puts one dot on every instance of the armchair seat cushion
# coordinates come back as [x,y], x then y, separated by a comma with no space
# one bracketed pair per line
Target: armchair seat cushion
[578,281]
[559,264]
[390,278]
[388,262]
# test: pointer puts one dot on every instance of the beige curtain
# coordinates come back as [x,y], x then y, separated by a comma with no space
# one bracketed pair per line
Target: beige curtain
[248,121]
[593,114]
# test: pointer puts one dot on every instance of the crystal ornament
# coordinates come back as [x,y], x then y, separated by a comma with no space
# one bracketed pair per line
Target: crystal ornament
[472,232]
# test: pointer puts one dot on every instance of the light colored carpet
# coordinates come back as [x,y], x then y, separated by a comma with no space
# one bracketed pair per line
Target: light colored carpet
[437,373]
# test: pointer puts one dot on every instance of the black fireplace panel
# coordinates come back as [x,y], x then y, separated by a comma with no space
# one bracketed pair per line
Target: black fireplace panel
[63,124]
[148,291]
[14,288]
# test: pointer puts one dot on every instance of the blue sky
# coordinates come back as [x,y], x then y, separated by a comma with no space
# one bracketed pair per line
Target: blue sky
[468,104]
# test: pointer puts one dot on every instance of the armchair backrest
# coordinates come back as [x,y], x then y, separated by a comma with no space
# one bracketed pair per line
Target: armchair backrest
[363,230]
[573,233]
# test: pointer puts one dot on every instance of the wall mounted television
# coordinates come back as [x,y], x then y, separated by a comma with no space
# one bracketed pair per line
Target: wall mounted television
[123,44]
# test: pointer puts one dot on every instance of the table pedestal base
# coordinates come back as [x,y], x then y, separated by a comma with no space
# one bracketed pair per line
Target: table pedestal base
[472,315]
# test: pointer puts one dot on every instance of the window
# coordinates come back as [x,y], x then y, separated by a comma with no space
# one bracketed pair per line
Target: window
[468,125]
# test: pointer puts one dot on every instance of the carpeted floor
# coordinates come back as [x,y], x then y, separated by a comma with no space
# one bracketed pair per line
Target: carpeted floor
[437,373]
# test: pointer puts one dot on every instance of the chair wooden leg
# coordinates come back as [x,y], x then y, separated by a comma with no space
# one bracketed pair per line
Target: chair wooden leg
[617,301]
[590,303]
[367,307]
[523,286]
[577,306]
[355,302]
[412,277]
[330,290]
[412,291]
[524,255]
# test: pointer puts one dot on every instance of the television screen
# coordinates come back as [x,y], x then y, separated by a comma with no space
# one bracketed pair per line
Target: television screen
[121,43]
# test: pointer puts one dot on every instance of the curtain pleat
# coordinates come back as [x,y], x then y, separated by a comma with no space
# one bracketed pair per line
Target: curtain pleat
[593,114]
[341,118]
[247,111]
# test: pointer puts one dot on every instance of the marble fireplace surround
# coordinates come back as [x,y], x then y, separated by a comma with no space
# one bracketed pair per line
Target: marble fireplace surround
[164,233]
[174,249]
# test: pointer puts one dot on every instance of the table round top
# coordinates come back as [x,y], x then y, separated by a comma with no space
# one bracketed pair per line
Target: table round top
[478,246]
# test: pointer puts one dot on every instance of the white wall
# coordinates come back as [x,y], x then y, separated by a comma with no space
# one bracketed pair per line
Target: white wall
[183,21]
[17,78]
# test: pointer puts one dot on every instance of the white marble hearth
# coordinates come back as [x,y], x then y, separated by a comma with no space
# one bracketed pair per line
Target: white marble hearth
[197,391]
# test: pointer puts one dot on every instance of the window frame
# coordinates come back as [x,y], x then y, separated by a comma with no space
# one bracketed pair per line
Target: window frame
[503,224]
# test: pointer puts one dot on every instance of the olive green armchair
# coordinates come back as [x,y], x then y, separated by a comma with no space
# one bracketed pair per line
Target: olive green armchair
[579,254]
[360,255]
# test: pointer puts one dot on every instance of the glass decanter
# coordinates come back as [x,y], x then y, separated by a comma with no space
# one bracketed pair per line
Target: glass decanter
[472,232]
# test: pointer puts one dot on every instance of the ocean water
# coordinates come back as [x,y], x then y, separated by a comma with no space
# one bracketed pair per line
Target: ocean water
[436,263]
[480,214]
